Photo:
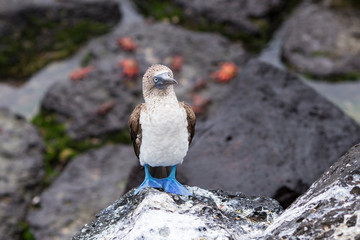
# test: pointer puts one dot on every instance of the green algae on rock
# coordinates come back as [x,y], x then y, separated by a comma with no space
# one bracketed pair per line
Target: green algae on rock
[60,148]
[35,36]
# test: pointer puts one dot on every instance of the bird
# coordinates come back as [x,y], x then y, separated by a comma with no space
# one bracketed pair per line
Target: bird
[161,129]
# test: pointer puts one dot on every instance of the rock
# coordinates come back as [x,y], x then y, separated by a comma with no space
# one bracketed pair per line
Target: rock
[238,16]
[89,183]
[272,136]
[153,214]
[324,42]
[14,6]
[78,101]
[21,171]
[330,209]
[79,104]
[36,32]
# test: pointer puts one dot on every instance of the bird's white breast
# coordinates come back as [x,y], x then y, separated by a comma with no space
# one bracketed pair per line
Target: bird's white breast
[164,134]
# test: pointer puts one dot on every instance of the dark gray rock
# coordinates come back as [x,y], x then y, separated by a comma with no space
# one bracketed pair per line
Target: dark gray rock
[21,171]
[89,183]
[237,16]
[77,101]
[153,214]
[79,104]
[330,209]
[272,136]
[323,41]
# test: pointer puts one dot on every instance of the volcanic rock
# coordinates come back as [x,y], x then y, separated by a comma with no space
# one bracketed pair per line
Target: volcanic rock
[153,214]
[21,171]
[330,209]
[272,136]
[323,41]
[237,16]
[89,183]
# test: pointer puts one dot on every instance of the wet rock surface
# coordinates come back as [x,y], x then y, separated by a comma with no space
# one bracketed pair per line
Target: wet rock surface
[330,209]
[153,214]
[21,170]
[272,136]
[323,41]
[89,183]
[78,102]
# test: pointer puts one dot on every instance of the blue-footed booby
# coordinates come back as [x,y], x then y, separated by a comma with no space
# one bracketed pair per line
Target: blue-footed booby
[161,129]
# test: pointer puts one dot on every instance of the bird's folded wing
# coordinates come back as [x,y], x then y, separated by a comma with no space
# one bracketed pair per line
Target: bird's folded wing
[191,119]
[135,128]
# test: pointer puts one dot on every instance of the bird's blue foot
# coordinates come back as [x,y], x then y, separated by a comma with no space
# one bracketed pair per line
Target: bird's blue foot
[149,181]
[171,185]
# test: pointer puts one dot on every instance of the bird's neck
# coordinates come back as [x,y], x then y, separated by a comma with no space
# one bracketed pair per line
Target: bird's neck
[157,97]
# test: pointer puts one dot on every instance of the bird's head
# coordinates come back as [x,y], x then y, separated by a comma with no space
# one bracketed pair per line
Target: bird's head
[158,80]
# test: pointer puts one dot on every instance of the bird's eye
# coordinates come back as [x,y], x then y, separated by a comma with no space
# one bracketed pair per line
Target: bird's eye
[155,79]
[169,74]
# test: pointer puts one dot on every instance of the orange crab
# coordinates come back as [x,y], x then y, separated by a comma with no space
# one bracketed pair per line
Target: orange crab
[80,73]
[126,43]
[130,68]
[227,72]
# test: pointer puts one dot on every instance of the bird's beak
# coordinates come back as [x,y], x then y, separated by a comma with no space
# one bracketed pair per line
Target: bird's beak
[169,81]
[163,80]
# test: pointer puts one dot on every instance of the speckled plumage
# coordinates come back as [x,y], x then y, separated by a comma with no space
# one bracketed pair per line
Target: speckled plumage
[161,128]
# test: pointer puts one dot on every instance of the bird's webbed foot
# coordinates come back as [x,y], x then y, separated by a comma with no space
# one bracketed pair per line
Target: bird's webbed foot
[171,185]
[149,182]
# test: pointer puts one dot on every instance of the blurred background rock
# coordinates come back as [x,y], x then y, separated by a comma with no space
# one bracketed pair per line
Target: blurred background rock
[275,85]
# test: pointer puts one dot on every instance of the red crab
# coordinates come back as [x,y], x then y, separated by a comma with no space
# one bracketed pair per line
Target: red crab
[177,62]
[126,43]
[130,68]
[199,103]
[105,108]
[227,72]
[80,73]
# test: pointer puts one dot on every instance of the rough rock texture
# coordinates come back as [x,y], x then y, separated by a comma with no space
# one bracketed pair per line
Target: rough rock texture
[13,6]
[20,170]
[330,209]
[153,214]
[78,101]
[323,41]
[79,104]
[239,16]
[273,136]
[89,183]
[36,32]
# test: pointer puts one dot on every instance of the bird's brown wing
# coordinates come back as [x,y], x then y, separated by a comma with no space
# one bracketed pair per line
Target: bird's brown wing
[135,128]
[191,119]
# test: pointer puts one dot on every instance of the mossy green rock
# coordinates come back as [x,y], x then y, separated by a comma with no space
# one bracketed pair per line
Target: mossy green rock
[34,35]
[21,171]
[250,21]
[323,42]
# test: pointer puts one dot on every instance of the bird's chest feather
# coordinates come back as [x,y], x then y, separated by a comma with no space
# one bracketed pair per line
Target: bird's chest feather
[163,120]
[164,135]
